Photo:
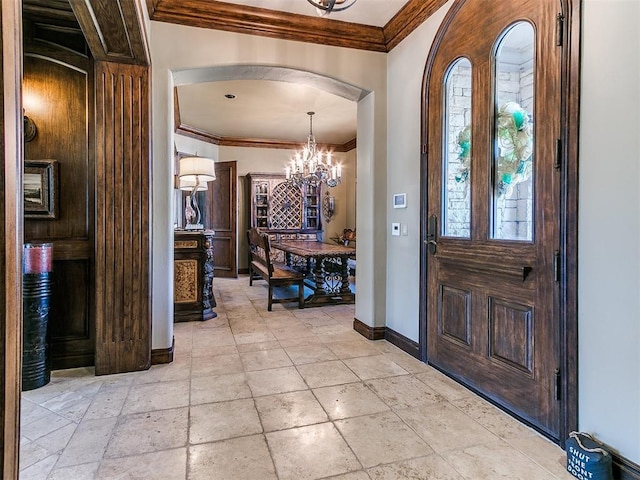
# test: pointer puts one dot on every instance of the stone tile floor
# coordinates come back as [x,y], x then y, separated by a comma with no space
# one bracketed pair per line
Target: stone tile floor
[289,394]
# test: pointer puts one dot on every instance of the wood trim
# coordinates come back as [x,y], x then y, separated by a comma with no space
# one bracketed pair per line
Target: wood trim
[569,214]
[113,30]
[371,333]
[348,146]
[11,233]
[123,218]
[204,136]
[624,469]
[161,356]
[403,343]
[410,17]
[290,26]
[176,110]
[269,23]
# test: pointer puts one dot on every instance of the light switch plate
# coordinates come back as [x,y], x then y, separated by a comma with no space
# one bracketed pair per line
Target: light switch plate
[395,229]
[405,229]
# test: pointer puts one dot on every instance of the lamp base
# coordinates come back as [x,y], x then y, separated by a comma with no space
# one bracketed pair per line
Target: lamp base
[194,226]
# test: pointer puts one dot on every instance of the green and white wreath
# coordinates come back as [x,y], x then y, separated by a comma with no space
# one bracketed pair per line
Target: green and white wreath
[515,149]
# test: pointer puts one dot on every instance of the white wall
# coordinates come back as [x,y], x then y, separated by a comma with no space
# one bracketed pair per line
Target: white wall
[202,48]
[406,64]
[609,225]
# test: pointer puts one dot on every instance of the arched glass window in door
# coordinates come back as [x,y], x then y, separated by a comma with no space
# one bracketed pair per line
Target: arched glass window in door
[456,143]
[513,159]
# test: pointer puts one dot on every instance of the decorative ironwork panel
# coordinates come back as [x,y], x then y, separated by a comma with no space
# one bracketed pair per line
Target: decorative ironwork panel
[286,207]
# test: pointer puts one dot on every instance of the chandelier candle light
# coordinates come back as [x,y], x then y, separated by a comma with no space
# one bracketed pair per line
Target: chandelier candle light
[195,172]
[312,167]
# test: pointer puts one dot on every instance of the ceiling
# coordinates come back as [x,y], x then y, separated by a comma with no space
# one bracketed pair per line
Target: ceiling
[268,110]
[277,111]
[264,109]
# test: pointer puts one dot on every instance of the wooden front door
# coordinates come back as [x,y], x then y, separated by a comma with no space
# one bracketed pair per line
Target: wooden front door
[220,215]
[492,237]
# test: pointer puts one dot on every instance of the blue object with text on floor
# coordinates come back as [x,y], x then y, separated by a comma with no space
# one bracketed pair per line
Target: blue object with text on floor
[586,459]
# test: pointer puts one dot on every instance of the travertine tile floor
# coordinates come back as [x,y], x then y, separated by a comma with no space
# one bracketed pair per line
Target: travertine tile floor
[289,394]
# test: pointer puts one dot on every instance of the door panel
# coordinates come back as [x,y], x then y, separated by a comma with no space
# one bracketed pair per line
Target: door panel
[491,299]
[220,215]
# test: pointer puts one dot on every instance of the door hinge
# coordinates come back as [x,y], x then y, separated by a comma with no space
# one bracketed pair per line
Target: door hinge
[557,383]
[559,29]
[424,148]
[558,161]
[557,267]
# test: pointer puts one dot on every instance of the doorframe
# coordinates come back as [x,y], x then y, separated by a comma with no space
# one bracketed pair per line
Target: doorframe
[568,221]
[11,234]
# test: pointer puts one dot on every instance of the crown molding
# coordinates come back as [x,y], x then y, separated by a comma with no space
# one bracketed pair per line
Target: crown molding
[289,26]
[203,136]
[268,23]
[408,18]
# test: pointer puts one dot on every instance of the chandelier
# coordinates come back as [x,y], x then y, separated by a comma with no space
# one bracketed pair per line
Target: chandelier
[325,7]
[312,167]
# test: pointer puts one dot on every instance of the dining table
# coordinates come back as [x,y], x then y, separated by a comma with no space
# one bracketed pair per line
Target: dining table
[328,272]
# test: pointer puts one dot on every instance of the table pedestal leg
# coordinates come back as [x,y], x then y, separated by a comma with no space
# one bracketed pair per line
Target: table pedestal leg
[318,274]
[344,288]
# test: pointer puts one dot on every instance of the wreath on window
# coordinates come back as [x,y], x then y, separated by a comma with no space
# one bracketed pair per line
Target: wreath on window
[515,148]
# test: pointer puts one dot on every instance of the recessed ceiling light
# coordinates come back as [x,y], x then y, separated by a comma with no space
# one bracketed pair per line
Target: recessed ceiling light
[230,96]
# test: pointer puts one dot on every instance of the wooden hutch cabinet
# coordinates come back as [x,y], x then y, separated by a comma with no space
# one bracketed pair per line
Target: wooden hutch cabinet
[281,209]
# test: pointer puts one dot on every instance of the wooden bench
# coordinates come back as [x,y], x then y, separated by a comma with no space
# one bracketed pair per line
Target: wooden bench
[275,274]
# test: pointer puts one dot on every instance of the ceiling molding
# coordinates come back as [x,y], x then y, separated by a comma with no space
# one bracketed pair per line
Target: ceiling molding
[113,34]
[290,26]
[410,17]
[198,134]
[269,23]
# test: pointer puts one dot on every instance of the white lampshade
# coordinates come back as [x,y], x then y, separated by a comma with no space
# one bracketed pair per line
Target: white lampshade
[199,169]
[189,184]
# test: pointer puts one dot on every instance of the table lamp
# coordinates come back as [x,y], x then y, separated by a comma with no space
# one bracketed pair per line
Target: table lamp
[194,174]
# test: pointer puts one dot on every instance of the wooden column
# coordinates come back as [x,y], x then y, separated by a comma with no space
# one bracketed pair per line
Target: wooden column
[10,233]
[122,237]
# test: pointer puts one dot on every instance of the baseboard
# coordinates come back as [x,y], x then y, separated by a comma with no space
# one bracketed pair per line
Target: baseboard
[624,469]
[402,342]
[243,271]
[371,333]
[163,355]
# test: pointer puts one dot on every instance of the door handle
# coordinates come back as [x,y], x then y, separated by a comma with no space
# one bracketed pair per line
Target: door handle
[432,228]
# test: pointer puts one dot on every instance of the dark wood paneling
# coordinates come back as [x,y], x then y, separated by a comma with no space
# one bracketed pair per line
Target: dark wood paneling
[71,326]
[11,155]
[60,93]
[123,248]
[511,334]
[113,29]
[270,23]
[410,17]
[220,215]
[59,84]
[454,315]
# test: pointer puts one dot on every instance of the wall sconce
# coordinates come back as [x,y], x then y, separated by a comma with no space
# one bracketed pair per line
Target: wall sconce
[195,172]
[328,206]
[30,129]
